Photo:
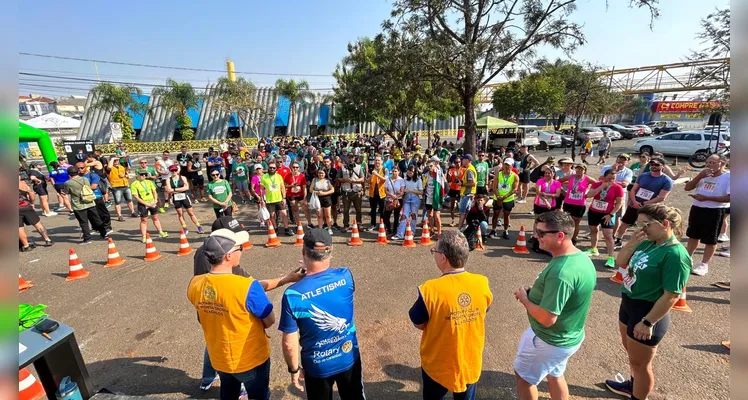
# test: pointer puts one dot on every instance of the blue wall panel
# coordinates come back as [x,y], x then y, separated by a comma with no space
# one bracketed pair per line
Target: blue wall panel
[324,112]
[137,119]
[194,114]
[284,110]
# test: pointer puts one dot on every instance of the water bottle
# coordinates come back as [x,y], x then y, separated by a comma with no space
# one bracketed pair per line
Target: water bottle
[68,390]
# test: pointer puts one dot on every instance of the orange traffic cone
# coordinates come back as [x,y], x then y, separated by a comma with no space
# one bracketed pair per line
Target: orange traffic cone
[151,254]
[618,277]
[273,240]
[382,235]
[408,240]
[726,343]
[28,387]
[355,239]
[426,234]
[184,245]
[76,269]
[681,305]
[23,284]
[299,235]
[479,240]
[113,258]
[247,245]
[521,246]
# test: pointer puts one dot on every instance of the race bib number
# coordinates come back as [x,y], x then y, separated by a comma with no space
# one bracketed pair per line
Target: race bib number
[576,196]
[628,279]
[295,189]
[239,172]
[219,190]
[599,205]
[644,194]
[709,187]
[274,187]
[199,173]
[179,196]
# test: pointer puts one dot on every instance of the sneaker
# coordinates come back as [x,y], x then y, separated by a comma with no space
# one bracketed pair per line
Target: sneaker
[396,237]
[724,253]
[618,244]
[161,210]
[289,232]
[48,243]
[29,248]
[207,386]
[135,215]
[262,224]
[700,269]
[200,230]
[329,231]
[143,239]
[592,252]
[166,205]
[52,214]
[184,228]
[610,262]
[619,386]
[163,234]
[723,238]
[337,227]
[505,235]
[58,209]
[121,218]
[722,285]
[492,233]
[108,232]
[373,228]
[87,241]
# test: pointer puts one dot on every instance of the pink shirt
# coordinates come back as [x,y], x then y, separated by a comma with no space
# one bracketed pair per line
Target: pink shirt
[605,204]
[577,197]
[542,186]
[257,187]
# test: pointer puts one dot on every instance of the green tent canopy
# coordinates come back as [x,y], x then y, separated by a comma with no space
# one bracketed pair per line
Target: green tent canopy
[492,123]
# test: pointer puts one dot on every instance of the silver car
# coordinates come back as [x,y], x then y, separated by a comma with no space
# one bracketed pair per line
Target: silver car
[549,139]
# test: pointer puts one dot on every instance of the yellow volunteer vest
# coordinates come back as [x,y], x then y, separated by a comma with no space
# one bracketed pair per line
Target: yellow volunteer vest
[452,342]
[374,180]
[235,337]
[465,180]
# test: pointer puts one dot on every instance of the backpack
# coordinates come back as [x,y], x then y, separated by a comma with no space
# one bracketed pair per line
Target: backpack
[87,194]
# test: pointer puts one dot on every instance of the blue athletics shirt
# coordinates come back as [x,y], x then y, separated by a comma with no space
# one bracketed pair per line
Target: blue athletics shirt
[320,307]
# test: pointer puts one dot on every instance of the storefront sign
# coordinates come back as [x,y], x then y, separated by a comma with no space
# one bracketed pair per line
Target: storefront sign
[683,106]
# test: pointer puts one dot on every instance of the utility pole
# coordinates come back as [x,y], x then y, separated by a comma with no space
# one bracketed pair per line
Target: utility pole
[96,68]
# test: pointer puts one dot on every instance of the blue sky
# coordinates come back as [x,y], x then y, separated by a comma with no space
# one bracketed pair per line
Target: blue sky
[298,37]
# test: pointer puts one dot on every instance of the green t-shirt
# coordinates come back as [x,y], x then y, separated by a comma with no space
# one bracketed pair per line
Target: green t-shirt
[149,170]
[239,172]
[653,269]
[443,154]
[482,169]
[122,156]
[564,288]
[145,190]
[273,187]
[220,191]
[636,168]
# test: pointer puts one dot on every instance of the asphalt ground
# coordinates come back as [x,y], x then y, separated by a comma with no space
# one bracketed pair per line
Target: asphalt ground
[139,334]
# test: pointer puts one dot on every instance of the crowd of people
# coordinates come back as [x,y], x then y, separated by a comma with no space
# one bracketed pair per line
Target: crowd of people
[406,185]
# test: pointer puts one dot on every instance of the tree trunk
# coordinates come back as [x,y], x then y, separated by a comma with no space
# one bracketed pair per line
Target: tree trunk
[468,102]
[291,131]
[428,141]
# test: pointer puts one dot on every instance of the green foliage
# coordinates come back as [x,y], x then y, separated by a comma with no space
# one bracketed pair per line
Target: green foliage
[183,121]
[715,38]
[636,106]
[380,81]
[536,93]
[125,121]
[177,97]
[188,134]
[118,100]
[296,93]
[239,97]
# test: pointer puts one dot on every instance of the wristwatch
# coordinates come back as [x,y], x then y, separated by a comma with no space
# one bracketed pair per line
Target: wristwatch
[293,371]
[647,323]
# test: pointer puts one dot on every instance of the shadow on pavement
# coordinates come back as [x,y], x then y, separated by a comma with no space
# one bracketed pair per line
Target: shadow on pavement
[711,348]
[144,376]
[708,299]
[492,385]
[608,287]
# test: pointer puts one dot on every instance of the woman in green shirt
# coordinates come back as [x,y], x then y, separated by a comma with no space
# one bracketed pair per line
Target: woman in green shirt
[658,269]
[219,193]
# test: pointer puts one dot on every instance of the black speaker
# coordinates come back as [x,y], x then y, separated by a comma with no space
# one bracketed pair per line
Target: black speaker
[715,119]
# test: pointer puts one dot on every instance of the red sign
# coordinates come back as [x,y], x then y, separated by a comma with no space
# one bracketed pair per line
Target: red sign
[682,106]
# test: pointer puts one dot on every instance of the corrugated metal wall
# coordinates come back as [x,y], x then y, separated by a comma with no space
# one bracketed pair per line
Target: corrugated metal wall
[159,124]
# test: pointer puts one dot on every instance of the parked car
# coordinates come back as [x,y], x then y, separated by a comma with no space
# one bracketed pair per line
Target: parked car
[613,135]
[647,130]
[513,137]
[627,133]
[639,129]
[549,140]
[659,127]
[682,143]
[566,139]
[593,132]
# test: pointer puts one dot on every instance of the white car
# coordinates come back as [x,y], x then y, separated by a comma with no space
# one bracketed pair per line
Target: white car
[647,129]
[549,139]
[681,143]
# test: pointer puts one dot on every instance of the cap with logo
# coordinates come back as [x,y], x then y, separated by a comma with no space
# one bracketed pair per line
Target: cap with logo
[317,239]
[226,222]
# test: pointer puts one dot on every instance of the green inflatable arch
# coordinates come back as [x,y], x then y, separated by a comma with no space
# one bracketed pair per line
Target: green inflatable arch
[27,133]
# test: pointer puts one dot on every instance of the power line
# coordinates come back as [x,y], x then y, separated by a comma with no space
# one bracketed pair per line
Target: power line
[164,66]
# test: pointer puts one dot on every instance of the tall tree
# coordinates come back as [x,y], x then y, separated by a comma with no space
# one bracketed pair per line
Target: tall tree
[118,100]
[468,43]
[379,81]
[534,93]
[296,93]
[239,97]
[178,97]
[715,40]
[636,106]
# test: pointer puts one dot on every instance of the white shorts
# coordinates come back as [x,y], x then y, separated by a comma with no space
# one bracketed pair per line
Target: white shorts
[536,359]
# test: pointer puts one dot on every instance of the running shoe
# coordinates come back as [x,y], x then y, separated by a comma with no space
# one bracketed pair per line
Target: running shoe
[700,269]
[619,386]
[618,244]
[505,235]
[121,218]
[329,231]
[722,284]
[396,237]
[207,386]
[184,228]
[592,252]
[163,234]
[492,233]
[86,241]
[723,238]
[499,223]
[289,231]
[161,210]
[29,248]
[200,230]
[49,214]
[610,262]
[723,253]
[143,239]
[372,228]
[166,205]
[311,226]
[48,243]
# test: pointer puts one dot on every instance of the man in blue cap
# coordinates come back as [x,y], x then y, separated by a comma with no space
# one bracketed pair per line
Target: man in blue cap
[468,187]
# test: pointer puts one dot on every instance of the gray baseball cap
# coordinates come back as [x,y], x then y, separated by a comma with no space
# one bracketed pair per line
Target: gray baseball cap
[222,241]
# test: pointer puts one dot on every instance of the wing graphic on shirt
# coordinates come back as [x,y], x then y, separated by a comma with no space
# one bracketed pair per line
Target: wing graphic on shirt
[327,321]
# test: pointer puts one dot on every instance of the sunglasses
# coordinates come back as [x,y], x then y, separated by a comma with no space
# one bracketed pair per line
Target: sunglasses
[240,248]
[541,233]
[272,168]
[655,164]
[295,167]
[645,224]
[215,174]
[433,251]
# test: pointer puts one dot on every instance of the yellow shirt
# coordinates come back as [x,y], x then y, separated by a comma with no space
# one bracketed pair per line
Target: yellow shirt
[463,189]
[118,177]
[453,340]
[235,337]
[144,190]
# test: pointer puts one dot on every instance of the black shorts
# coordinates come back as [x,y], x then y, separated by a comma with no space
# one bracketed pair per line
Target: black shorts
[186,203]
[602,153]
[727,210]
[60,188]
[537,210]
[143,210]
[595,218]
[507,206]
[559,202]
[631,313]
[481,190]
[27,217]
[454,194]
[297,199]
[325,201]
[198,180]
[574,210]
[276,207]
[524,177]
[350,384]
[41,190]
[629,217]
[335,196]
[704,224]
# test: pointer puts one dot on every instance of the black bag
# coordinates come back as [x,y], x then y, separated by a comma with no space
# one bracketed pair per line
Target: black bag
[536,174]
